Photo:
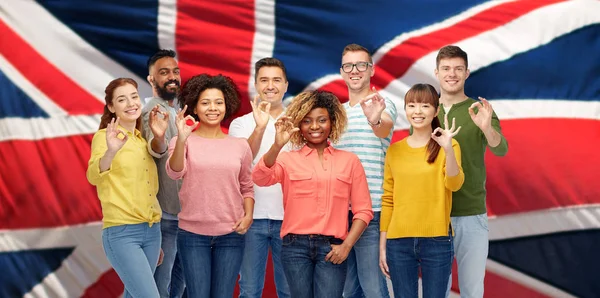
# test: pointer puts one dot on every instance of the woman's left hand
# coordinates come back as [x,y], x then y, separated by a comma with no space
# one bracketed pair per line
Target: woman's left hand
[338,253]
[242,226]
[444,136]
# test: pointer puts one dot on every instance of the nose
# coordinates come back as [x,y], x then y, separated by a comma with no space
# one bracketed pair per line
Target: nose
[212,106]
[314,125]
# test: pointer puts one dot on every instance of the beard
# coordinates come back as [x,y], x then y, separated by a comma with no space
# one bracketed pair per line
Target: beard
[165,93]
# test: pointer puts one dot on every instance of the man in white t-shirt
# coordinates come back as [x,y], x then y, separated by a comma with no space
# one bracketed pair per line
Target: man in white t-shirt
[258,127]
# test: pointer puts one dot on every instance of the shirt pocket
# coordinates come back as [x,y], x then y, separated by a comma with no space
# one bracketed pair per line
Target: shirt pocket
[342,187]
[302,185]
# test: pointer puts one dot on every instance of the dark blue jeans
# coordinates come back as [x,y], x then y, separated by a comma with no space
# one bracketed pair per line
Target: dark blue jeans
[433,255]
[262,235]
[210,263]
[307,272]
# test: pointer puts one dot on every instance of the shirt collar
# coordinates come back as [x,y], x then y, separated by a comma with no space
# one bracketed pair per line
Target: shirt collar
[305,150]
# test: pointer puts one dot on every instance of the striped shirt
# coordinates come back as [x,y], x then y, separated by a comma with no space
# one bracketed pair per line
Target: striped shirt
[360,139]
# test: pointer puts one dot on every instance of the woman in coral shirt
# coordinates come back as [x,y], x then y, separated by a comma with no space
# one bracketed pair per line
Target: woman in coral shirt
[319,184]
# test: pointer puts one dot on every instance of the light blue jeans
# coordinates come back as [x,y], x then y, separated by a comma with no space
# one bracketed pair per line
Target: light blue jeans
[263,233]
[471,243]
[364,278]
[133,252]
[169,278]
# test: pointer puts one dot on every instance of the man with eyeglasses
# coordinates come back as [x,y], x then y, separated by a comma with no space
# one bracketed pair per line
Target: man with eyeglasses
[368,134]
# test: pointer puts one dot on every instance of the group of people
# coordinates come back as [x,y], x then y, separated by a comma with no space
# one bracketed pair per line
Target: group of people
[188,209]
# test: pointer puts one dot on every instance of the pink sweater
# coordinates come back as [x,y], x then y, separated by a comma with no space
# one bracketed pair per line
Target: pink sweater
[216,179]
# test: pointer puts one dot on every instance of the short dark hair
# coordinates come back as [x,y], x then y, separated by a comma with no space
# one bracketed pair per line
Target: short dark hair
[191,90]
[356,48]
[269,62]
[159,55]
[451,51]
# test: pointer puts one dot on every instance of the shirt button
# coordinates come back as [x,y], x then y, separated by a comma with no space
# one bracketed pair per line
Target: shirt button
[148,182]
[146,170]
[324,169]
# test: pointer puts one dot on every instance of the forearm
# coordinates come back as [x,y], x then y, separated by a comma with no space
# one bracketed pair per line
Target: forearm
[176,160]
[382,241]
[271,156]
[451,163]
[159,146]
[249,207]
[492,136]
[106,161]
[255,139]
[383,130]
[358,227]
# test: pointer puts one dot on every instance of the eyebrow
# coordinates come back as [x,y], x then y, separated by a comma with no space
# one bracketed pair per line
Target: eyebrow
[166,68]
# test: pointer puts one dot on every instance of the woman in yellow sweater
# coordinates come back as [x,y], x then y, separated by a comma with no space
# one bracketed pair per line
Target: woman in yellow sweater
[420,174]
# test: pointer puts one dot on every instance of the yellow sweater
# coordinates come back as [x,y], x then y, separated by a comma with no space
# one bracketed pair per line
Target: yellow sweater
[417,196]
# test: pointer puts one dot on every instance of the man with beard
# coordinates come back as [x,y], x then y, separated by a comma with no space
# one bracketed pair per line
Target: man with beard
[165,81]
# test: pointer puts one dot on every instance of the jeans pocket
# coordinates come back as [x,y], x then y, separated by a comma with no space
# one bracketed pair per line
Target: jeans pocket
[483,221]
[117,229]
[442,239]
[287,240]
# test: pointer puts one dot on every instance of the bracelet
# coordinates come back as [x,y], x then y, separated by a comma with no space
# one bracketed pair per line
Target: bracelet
[378,124]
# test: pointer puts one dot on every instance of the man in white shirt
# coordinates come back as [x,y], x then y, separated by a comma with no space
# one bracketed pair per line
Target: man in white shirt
[258,127]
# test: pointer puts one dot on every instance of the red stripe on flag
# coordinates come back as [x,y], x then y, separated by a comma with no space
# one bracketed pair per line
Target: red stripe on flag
[542,170]
[44,183]
[219,42]
[109,285]
[45,76]
[396,62]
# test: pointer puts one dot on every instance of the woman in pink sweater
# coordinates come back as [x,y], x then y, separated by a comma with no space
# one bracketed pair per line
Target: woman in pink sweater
[217,195]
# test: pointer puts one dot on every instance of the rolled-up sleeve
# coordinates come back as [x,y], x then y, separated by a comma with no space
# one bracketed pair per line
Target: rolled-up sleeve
[360,197]
[246,184]
[455,182]
[170,172]
[265,176]
[98,150]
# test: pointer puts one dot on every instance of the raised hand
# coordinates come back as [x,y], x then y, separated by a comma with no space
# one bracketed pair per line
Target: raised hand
[444,136]
[372,106]
[260,111]
[114,142]
[185,124]
[284,130]
[483,118]
[158,124]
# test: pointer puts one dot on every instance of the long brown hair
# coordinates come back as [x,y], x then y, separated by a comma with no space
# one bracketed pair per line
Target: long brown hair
[107,116]
[425,93]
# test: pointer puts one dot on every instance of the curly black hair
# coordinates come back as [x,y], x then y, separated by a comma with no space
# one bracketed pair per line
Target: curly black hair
[192,88]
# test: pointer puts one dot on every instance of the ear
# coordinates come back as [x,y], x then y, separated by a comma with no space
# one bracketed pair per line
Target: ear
[435,71]
[438,110]
[111,108]
[150,80]
[468,74]
[373,70]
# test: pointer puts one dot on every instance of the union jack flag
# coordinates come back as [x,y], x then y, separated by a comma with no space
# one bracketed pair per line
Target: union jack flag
[538,63]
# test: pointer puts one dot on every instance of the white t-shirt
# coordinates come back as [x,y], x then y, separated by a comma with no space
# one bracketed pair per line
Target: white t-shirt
[268,201]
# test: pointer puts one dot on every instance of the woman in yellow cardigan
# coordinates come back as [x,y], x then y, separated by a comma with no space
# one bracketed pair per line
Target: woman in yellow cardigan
[420,174]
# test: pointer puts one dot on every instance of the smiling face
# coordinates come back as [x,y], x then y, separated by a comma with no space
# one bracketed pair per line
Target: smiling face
[316,127]
[210,107]
[357,80]
[271,84]
[452,74]
[165,78]
[126,103]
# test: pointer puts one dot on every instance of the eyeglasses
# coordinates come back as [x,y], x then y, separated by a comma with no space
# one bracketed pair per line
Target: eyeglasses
[360,66]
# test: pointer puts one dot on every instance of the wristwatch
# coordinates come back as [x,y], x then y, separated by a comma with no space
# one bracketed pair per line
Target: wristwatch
[378,124]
